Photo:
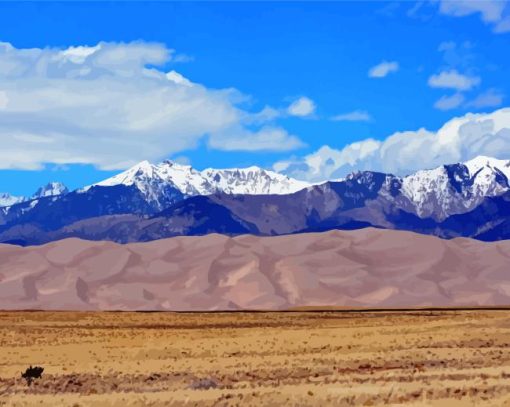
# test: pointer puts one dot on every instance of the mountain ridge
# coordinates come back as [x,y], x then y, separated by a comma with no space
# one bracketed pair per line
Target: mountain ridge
[151,179]
[50,189]
[146,202]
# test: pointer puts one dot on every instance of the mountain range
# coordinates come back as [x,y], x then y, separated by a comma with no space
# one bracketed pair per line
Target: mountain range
[150,202]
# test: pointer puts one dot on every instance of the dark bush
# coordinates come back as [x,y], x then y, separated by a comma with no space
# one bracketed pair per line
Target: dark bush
[32,373]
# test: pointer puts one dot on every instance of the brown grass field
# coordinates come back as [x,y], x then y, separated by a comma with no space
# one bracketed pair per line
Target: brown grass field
[429,358]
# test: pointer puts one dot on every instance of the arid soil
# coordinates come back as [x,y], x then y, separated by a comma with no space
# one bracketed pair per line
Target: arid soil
[361,268]
[433,358]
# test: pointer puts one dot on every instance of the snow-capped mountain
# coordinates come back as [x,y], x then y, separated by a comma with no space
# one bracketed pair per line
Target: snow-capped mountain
[149,201]
[150,178]
[8,199]
[252,181]
[455,188]
[50,189]
[157,181]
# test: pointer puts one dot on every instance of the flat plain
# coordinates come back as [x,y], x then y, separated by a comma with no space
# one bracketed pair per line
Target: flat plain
[433,358]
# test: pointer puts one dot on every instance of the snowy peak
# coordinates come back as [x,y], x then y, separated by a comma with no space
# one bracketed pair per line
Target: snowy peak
[429,192]
[481,162]
[51,189]
[185,178]
[252,181]
[149,178]
[456,188]
[489,174]
[140,171]
[160,183]
[8,199]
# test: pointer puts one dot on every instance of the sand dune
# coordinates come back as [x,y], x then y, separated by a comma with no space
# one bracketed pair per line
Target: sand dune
[363,268]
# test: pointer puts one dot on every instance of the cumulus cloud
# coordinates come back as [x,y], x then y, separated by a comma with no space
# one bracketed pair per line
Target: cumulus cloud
[459,139]
[383,69]
[453,80]
[355,116]
[449,102]
[302,107]
[493,12]
[329,163]
[111,106]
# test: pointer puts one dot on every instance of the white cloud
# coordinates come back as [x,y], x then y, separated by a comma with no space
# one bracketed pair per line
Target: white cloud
[301,107]
[268,138]
[453,80]
[492,12]
[459,139]
[355,116]
[267,114]
[383,69]
[177,78]
[328,163]
[109,106]
[449,102]
[489,98]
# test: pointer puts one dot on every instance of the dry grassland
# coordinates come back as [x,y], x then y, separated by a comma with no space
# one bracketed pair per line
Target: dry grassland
[436,358]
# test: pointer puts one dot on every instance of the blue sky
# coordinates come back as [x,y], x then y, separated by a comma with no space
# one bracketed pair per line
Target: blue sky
[446,61]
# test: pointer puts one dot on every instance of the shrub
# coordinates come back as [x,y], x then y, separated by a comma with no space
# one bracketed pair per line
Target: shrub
[32,373]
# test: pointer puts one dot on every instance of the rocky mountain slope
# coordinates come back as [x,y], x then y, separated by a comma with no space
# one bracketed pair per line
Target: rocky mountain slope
[362,268]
